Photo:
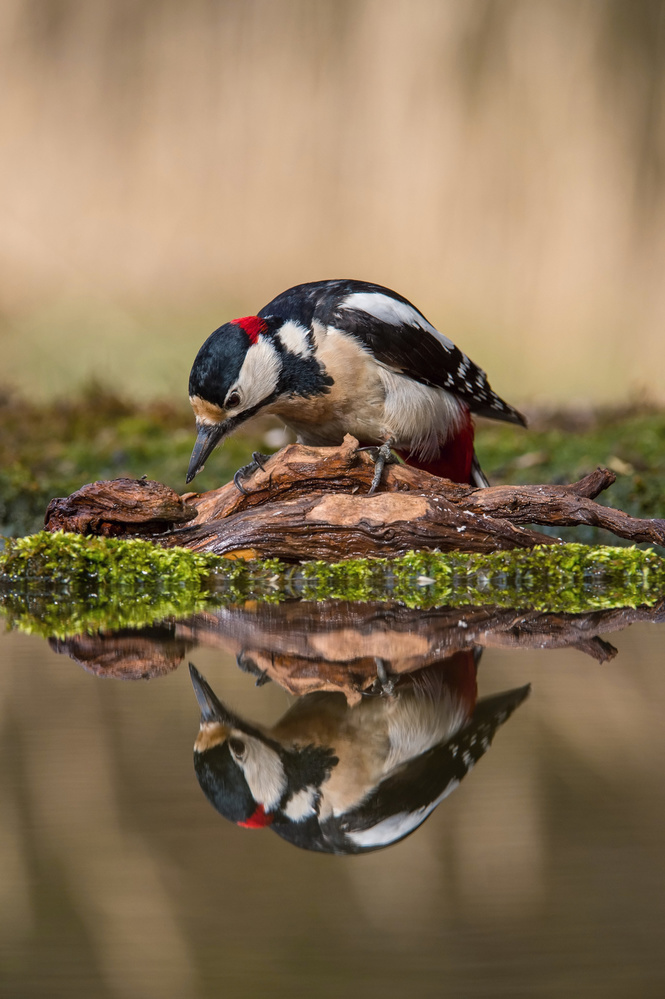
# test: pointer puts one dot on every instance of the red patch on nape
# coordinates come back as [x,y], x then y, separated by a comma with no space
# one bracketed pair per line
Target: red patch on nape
[455,458]
[252,325]
[257,820]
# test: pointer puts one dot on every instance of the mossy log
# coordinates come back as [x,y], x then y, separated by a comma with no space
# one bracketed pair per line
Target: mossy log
[313,503]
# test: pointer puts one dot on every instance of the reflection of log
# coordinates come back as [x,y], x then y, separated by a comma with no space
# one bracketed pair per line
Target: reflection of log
[127,654]
[313,503]
[336,646]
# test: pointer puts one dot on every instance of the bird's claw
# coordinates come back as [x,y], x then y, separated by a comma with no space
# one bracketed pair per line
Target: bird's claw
[249,665]
[246,470]
[384,685]
[381,457]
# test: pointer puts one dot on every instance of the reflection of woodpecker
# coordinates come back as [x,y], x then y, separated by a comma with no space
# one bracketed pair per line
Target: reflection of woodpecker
[336,779]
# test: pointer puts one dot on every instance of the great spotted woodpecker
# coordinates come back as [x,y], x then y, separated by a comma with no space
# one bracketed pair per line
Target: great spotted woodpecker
[343,780]
[345,357]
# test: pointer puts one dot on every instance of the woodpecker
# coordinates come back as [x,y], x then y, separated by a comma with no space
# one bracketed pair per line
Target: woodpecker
[346,357]
[343,780]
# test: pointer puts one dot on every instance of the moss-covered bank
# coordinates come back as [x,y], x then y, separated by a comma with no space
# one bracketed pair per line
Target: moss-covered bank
[63,584]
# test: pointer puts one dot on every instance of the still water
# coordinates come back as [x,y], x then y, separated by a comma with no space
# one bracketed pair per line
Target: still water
[540,873]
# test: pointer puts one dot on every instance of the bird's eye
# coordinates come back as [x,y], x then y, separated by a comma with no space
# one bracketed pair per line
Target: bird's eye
[232,400]
[237,747]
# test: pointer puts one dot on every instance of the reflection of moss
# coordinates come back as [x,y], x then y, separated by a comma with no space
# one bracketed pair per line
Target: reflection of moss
[62,584]
[61,614]
[571,578]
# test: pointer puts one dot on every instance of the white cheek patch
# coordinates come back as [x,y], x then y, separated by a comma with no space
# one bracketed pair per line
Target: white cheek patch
[263,772]
[259,374]
[302,805]
[389,310]
[294,338]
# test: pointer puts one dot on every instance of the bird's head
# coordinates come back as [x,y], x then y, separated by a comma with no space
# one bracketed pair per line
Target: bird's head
[236,374]
[241,369]
[249,777]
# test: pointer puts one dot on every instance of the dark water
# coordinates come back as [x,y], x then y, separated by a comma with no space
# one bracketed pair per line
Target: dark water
[542,874]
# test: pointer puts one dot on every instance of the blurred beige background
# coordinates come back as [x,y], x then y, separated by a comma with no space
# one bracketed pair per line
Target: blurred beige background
[165,166]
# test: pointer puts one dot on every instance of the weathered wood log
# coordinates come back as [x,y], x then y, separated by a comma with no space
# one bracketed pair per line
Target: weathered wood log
[328,526]
[309,503]
[119,506]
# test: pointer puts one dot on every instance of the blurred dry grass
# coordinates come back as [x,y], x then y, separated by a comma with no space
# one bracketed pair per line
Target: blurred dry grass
[501,162]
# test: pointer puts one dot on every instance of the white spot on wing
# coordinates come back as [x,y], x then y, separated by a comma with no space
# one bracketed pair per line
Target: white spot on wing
[294,338]
[301,805]
[390,310]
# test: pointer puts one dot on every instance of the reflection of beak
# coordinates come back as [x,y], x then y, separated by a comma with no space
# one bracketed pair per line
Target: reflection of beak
[212,709]
[208,438]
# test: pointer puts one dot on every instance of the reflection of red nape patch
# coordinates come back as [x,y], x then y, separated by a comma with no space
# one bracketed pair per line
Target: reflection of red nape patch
[252,325]
[257,819]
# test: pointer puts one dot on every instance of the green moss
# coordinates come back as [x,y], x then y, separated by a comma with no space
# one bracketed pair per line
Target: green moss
[62,584]
[76,561]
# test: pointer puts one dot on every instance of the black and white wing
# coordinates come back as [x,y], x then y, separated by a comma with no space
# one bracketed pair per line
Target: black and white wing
[408,795]
[405,798]
[396,334]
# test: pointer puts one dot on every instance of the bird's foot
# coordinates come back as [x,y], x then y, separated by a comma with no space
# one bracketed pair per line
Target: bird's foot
[249,469]
[248,665]
[384,685]
[381,457]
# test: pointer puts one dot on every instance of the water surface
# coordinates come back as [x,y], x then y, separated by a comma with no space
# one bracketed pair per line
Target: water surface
[543,874]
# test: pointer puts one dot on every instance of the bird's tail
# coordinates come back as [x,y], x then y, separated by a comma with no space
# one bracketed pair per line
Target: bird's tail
[478,477]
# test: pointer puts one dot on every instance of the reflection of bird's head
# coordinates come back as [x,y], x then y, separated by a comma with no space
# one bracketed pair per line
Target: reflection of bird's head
[345,780]
[248,776]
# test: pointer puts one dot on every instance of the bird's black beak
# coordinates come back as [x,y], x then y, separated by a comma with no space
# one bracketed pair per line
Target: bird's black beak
[212,709]
[209,436]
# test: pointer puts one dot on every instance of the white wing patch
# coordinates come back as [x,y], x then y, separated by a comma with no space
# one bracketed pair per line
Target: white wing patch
[259,374]
[302,804]
[294,338]
[398,826]
[390,310]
